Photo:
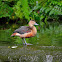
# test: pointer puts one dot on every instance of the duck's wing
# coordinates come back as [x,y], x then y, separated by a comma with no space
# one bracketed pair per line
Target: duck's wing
[23,29]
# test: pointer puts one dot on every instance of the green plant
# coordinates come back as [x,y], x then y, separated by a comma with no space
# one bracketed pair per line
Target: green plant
[46,10]
[5,10]
[22,9]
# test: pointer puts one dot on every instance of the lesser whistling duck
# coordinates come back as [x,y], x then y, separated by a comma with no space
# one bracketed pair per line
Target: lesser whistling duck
[26,31]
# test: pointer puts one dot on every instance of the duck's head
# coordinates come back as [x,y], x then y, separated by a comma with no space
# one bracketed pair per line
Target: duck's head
[32,23]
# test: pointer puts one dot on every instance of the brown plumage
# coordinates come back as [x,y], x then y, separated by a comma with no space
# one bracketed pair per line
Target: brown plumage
[26,31]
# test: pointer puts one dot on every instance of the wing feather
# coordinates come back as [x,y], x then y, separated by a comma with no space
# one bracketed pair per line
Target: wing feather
[23,29]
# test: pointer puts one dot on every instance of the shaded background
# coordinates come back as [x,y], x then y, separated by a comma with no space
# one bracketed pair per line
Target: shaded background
[47,13]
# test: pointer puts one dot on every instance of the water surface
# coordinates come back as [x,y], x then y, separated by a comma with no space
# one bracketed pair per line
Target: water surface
[33,53]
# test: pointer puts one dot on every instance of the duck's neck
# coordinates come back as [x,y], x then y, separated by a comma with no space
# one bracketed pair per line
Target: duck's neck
[34,30]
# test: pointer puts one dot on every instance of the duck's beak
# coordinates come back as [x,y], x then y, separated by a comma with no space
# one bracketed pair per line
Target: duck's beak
[36,24]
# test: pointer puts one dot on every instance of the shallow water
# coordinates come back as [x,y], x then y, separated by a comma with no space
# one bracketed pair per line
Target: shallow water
[33,53]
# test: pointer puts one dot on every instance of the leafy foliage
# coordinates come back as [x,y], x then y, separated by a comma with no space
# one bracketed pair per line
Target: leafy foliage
[40,10]
[36,9]
[25,8]
[22,9]
[18,10]
[5,10]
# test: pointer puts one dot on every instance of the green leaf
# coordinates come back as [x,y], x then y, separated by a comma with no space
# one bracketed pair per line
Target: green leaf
[18,10]
[42,24]
[42,9]
[5,10]
[41,17]
[25,8]
[52,12]
[47,9]
[46,19]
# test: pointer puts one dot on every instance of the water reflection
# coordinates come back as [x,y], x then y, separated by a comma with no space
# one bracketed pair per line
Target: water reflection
[30,54]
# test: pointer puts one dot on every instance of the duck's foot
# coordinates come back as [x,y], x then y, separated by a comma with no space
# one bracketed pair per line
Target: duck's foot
[24,44]
[27,44]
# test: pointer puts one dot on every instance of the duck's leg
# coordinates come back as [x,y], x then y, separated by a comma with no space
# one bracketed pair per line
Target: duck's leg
[23,41]
[27,43]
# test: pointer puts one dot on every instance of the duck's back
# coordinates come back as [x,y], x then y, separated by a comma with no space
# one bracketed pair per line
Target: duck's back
[23,29]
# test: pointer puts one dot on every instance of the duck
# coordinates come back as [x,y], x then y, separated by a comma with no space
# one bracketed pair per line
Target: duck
[26,31]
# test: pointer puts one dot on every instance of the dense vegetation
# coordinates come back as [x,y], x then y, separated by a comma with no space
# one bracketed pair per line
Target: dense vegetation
[47,13]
